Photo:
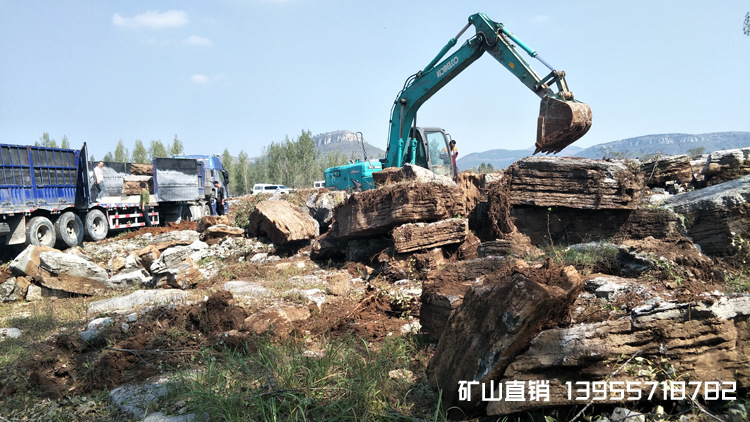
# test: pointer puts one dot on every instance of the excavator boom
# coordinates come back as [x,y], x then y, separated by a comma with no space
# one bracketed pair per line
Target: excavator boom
[562,119]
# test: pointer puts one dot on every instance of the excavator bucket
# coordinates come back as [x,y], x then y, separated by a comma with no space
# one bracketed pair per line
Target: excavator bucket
[560,124]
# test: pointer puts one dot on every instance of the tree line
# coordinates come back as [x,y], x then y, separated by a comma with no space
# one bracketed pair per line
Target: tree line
[121,154]
[295,163]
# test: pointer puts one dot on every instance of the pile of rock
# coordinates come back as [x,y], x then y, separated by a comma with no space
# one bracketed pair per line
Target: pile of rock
[165,260]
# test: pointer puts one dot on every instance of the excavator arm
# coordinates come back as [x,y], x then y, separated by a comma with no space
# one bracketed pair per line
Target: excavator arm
[562,120]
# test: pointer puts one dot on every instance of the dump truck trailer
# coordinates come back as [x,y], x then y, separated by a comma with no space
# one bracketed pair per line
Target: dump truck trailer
[45,195]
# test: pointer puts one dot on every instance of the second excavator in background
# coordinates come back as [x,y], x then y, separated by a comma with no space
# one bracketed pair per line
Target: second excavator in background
[562,119]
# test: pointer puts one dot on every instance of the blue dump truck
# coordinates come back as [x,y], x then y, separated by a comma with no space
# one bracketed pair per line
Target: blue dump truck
[45,195]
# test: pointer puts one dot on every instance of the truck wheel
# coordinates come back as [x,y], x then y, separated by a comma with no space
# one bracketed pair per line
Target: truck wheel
[97,226]
[69,230]
[40,232]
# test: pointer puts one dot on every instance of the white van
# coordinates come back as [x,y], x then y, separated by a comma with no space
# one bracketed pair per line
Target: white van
[319,184]
[266,188]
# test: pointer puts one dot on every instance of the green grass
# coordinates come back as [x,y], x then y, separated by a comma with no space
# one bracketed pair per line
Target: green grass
[588,259]
[37,321]
[277,382]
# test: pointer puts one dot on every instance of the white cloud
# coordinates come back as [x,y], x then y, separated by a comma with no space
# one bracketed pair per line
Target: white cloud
[541,19]
[153,20]
[199,41]
[204,79]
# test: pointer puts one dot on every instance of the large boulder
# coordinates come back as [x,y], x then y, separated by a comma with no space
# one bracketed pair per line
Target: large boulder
[281,222]
[575,183]
[378,211]
[725,165]
[701,341]
[494,324]
[412,237]
[60,271]
[446,284]
[715,216]
[662,170]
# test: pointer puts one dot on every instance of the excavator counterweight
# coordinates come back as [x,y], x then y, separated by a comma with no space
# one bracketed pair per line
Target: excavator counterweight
[560,124]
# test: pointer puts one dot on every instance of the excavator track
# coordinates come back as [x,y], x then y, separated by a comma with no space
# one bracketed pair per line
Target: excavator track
[560,124]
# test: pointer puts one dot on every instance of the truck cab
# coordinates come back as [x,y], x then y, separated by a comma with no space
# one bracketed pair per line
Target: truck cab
[213,168]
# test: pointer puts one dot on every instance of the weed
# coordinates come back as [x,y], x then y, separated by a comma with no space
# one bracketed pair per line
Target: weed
[587,259]
[38,321]
[349,381]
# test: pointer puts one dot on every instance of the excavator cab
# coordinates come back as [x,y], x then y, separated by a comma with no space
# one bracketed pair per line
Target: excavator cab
[432,150]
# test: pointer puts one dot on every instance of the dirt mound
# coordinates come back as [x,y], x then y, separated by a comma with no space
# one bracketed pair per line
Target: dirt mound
[162,339]
[680,267]
[373,318]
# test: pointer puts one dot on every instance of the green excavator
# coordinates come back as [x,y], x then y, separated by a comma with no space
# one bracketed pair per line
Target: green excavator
[562,119]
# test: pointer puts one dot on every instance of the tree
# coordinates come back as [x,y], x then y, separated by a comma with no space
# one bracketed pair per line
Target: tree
[694,152]
[486,168]
[122,155]
[140,154]
[64,143]
[241,184]
[746,26]
[108,157]
[156,150]
[45,141]
[228,162]
[176,148]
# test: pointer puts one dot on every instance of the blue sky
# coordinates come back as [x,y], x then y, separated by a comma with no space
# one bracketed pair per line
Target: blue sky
[240,74]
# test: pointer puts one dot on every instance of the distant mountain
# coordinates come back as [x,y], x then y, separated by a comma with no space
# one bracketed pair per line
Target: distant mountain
[502,158]
[346,142]
[640,147]
[667,144]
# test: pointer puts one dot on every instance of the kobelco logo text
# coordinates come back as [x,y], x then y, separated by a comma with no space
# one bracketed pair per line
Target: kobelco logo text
[446,67]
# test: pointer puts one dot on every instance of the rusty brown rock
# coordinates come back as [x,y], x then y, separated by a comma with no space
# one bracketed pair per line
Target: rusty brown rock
[494,324]
[281,222]
[697,341]
[148,255]
[412,237]
[216,233]
[446,284]
[673,168]
[141,169]
[211,220]
[378,211]
[575,183]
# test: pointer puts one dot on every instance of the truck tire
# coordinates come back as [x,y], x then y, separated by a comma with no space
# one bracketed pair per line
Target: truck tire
[97,226]
[40,232]
[69,230]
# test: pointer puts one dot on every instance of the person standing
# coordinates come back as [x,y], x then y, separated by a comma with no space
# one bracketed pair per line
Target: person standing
[454,154]
[98,179]
[143,204]
[221,198]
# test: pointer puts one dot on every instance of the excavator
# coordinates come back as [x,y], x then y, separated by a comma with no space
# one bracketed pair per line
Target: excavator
[562,119]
